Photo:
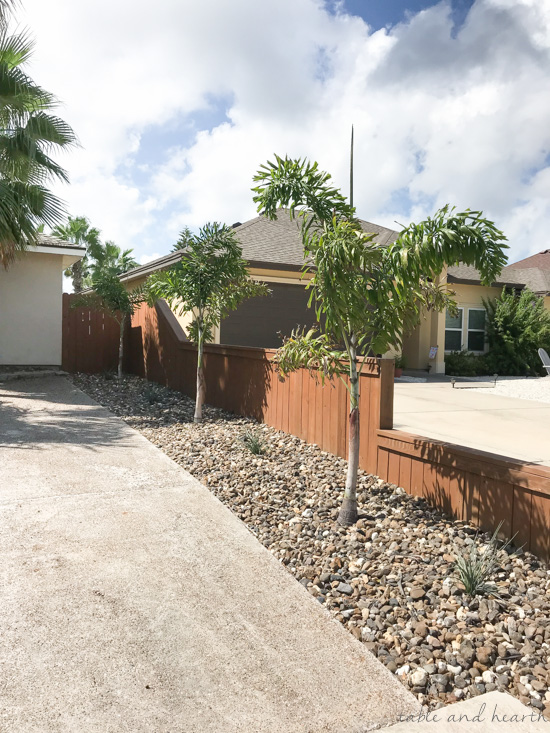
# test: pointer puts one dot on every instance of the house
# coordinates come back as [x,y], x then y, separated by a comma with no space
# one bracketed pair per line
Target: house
[274,252]
[31,293]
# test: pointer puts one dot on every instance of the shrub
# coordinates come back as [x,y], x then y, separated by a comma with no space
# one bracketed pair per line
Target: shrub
[466,364]
[517,326]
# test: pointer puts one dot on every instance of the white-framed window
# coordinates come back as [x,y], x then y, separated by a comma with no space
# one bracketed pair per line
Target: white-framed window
[453,330]
[476,330]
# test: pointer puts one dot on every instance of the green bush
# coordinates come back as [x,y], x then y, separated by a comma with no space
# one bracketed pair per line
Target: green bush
[517,326]
[466,364]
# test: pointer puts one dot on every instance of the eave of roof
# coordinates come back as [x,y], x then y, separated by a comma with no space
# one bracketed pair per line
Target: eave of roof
[535,279]
[48,240]
[162,263]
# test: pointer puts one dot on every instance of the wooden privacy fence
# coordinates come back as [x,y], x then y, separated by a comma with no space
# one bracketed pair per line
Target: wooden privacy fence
[90,339]
[243,380]
[478,487]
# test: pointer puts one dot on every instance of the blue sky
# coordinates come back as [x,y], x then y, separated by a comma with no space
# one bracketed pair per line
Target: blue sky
[177,104]
[380,13]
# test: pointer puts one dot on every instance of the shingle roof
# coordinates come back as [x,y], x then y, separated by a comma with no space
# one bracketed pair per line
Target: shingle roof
[467,273]
[48,240]
[269,242]
[279,241]
[541,260]
[534,278]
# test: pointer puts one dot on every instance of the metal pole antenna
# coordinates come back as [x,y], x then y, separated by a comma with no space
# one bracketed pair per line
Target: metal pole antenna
[351,170]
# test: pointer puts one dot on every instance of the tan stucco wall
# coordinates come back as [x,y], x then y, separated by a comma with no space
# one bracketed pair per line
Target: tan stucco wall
[472,295]
[31,310]
[416,345]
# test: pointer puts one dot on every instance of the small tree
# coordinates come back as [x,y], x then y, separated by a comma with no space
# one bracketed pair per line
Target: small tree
[516,327]
[366,296]
[110,295]
[210,281]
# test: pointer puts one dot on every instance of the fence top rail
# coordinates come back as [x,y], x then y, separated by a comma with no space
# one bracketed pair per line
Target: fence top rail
[416,445]
[371,368]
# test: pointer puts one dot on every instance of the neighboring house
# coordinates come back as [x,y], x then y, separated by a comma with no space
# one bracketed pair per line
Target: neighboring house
[274,252]
[467,329]
[31,297]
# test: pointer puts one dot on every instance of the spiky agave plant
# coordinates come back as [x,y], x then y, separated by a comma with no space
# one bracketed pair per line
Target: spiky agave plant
[476,567]
[254,442]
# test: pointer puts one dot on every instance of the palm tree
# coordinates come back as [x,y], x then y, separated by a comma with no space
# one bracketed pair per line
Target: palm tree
[5,7]
[108,259]
[78,230]
[29,134]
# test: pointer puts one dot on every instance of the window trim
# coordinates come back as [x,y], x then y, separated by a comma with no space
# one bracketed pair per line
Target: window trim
[460,330]
[476,330]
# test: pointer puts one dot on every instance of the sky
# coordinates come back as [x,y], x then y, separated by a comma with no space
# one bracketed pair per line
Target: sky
[177,103]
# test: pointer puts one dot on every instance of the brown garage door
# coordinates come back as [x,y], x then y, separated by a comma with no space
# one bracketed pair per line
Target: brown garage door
[258,321]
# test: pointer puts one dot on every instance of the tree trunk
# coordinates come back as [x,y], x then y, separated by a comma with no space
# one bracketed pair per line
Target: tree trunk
[121,346]
[201,385]
[77,276]
[348,510]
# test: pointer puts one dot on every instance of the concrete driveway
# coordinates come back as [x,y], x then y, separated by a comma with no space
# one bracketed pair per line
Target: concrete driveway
[131,599]
[509,427]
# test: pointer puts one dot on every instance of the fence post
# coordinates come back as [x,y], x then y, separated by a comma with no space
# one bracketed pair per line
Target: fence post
[386,393]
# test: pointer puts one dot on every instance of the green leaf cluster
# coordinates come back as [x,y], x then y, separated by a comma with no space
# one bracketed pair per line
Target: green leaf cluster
[516,327]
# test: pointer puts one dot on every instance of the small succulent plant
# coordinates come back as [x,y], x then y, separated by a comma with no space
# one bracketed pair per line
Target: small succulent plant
[254,442]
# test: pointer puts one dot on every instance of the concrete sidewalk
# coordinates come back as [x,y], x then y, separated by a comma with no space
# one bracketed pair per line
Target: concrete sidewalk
[132,600]
[489,422]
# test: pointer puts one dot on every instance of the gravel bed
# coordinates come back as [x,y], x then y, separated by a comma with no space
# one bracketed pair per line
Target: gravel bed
[390,579]
[526,388]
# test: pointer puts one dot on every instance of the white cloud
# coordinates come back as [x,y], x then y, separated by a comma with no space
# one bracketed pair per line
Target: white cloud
[438,118]
[144,259]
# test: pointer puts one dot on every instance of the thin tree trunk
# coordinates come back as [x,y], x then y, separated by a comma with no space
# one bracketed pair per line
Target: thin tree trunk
[201,386]
[77,276]
[348,510]
[121,346]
